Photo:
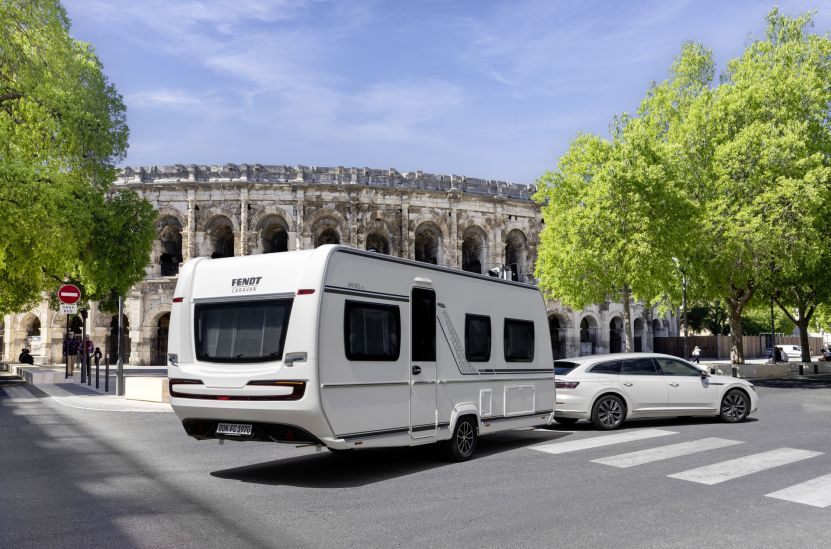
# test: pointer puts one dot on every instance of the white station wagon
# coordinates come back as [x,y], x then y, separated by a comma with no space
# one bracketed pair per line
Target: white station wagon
[608,389]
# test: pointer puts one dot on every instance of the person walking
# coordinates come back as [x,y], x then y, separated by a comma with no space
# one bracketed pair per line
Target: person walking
[71,348]
[696,352]
[26,358]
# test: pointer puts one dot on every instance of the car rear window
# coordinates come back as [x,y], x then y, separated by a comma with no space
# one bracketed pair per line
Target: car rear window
[562,367]
[246,331]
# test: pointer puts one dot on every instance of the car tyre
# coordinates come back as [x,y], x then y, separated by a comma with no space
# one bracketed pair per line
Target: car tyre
[608,412]
[566,420]
[462,444]
[735,406]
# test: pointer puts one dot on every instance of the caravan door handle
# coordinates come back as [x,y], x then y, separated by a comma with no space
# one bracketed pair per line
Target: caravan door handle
[628,383]
[416,370]
[673,385]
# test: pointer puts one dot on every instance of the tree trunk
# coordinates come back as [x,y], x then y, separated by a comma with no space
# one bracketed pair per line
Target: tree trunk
[735,305]
[805,313]
[803,338]
[627,320]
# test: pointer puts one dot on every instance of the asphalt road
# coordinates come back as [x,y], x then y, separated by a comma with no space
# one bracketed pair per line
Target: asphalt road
[80,478]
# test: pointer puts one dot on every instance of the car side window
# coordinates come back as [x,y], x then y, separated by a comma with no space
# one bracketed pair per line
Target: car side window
[639,367]
[672,367]
[611,367]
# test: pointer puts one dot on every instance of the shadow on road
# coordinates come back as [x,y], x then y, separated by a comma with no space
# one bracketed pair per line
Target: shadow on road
[361,467]
[812,382]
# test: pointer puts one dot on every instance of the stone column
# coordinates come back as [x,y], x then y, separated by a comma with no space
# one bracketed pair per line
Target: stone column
[300,222]
[243,222]
[405,228]
[454,259]
[190,230]
[497,253]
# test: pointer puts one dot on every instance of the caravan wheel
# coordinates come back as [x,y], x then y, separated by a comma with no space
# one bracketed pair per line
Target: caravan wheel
[462,444]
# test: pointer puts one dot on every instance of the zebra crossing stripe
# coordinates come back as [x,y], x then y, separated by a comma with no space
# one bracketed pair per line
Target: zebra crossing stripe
[606,440]
[19,394]
[666,452]
[815,492]
[747,465]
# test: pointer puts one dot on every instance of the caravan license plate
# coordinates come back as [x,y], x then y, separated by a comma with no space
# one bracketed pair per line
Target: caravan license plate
[234,429]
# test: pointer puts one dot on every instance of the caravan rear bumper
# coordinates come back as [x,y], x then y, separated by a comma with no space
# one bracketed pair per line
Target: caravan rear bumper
[202,429]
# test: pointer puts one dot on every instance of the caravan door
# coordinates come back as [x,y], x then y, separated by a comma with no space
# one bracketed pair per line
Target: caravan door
[423,386]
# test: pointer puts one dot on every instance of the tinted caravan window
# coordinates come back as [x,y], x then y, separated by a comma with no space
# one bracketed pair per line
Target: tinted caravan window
[371,331]
[247,331]
[477,338]
[519,340]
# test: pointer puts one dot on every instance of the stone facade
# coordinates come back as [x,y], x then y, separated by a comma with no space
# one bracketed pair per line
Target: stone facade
[219,211]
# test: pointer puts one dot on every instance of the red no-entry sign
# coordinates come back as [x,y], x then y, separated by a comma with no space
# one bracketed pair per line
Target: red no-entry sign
[69,294]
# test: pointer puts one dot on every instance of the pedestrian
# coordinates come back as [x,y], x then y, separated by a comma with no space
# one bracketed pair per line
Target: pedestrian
[70,351]
[96,355]
[777,354]
[87,351]
[26,358]
[696,352]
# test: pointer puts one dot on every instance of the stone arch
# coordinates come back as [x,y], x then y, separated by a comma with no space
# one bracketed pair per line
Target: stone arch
[274,234]
[588,335]
[258,219]
[379,236]
[427,245]
[157,322]
[558,329]
[516,254]
[616,335]
[327,226]
[638,334]
[219,233]
[167,250]
[474,250]
[29,324]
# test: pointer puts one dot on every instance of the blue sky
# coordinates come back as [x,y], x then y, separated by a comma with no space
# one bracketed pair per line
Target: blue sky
[490,89]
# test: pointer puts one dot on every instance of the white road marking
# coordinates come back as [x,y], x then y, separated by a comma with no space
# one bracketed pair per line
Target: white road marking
[747,465]
[605,440]
[666,452]
[815,492]
[19,394]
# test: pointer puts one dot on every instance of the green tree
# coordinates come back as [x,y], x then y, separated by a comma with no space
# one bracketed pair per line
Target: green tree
[614,218]
[62,129]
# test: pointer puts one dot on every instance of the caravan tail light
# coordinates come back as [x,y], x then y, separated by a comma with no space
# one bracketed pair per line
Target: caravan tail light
[567,384]
[178,299]
[306,291]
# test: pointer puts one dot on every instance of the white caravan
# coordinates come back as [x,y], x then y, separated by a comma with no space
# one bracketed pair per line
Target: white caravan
[348,349]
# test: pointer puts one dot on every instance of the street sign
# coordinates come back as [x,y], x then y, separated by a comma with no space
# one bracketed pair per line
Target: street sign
[69,309]
[69,294]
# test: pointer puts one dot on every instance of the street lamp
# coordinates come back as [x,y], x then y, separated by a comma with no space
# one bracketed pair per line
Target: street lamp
[683,300]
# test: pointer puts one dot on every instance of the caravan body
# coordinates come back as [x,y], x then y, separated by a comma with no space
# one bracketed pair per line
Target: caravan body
[351,349]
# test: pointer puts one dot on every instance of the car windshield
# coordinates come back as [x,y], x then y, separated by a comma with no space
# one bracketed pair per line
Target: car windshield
[562,367]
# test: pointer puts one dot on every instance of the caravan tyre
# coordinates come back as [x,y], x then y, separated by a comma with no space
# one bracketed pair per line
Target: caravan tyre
[462,444]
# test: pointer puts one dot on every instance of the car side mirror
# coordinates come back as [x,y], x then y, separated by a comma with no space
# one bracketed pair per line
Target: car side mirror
[704,374]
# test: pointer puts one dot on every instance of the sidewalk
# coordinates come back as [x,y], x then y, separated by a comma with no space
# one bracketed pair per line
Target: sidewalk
[72,393]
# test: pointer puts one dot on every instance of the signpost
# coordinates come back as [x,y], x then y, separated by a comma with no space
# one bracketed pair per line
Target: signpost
[69,296]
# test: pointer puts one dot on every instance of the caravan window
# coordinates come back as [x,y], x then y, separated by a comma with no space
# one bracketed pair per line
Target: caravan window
[371,331]
[247,331]
[477,338]
[519,340]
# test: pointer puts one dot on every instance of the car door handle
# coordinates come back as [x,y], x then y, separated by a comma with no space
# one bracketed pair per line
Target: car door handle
[673,385]
[416,370]
[628,383]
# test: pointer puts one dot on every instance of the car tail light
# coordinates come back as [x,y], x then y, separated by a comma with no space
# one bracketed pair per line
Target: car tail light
[567,384]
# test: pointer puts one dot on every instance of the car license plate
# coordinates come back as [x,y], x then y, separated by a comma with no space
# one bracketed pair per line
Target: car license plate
[234,429]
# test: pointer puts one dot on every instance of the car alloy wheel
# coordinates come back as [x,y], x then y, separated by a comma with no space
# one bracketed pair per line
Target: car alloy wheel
[734,407]
[608,412]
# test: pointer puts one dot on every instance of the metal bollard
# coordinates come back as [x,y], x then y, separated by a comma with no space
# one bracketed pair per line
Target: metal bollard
[89,369]
[97,365]
[106,374]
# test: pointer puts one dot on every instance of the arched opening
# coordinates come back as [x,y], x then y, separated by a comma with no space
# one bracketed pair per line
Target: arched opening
[33,327]
[221,238]
[473,251]
[170,240]
[274,234]
[557,330]
[76,325]
[588,336]
[637,335]
[427,244]
[516,254]
[377,242]
[327,236]
[113,339]
[160,351]
[616,335]
[657,328]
